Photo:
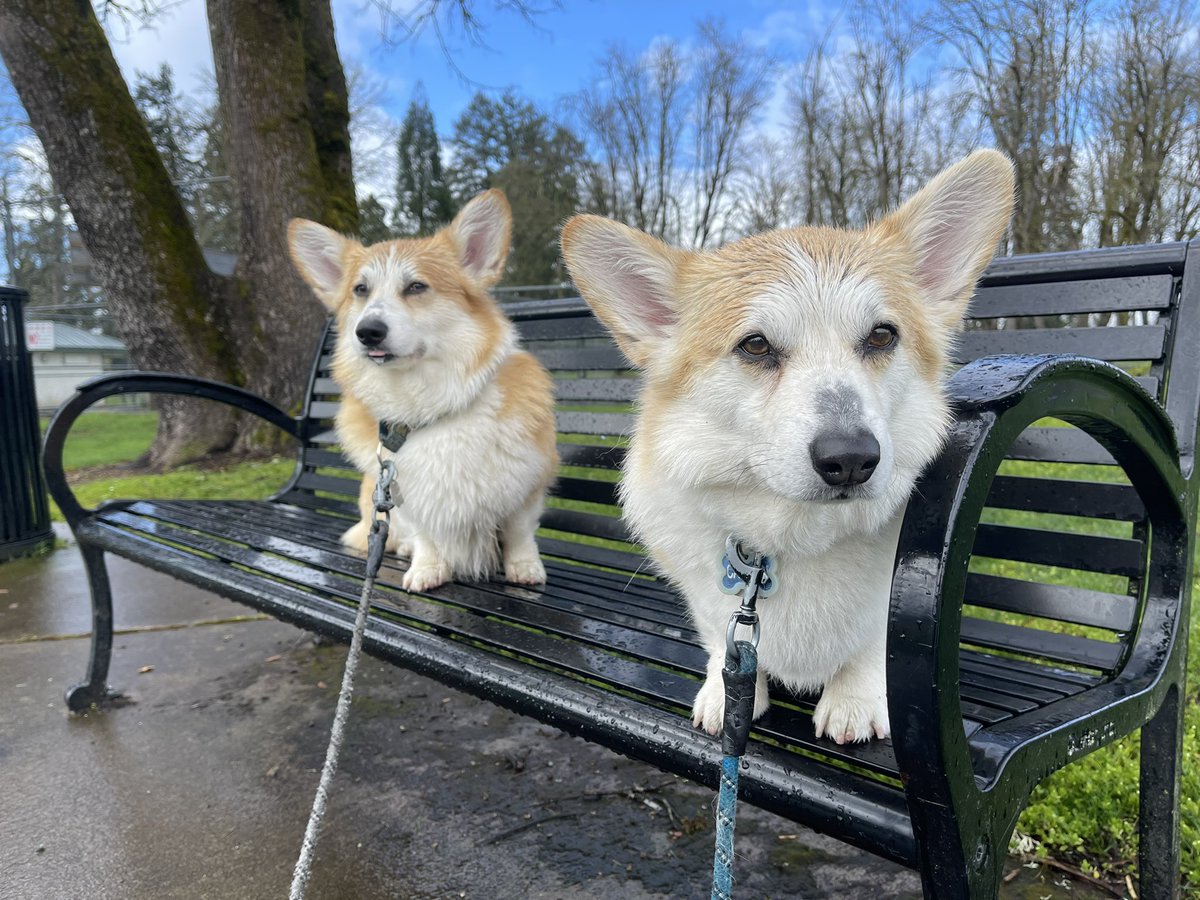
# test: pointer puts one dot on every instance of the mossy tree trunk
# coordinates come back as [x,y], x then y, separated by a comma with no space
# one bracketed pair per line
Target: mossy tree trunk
[283,96]
[159,289]
[283,99]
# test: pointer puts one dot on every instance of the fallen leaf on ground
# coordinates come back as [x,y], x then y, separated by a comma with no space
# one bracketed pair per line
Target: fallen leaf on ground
[144,669]
[271,772]
[321,685]
[275,658]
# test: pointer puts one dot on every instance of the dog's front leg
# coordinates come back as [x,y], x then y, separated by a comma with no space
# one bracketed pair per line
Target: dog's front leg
[853,706]
[429,568]
[708,710]
[522,563]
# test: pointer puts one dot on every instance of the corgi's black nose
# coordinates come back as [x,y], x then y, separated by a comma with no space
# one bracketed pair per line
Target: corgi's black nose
[845,457]
[371,332]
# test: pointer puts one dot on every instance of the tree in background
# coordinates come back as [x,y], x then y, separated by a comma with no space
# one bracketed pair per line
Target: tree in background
[1025,65]
[862,122]
[373,220]
[731,82]
[423,201]
[507,143]
[191,142]
[1144,106]
[633,113]
[284,116]
[671,131]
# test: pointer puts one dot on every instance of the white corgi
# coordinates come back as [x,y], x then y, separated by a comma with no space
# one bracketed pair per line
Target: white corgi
[793,392]
[421,343]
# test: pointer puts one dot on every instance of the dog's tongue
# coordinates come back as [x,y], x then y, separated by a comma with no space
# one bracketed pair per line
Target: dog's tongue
[377,354]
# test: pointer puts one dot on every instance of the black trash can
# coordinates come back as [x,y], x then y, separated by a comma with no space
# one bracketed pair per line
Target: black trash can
[24,511]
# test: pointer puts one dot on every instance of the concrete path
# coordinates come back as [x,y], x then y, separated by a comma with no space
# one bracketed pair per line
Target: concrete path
[200,786]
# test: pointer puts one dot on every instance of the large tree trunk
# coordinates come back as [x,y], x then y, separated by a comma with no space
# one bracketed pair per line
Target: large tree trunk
[284,103]
[283,95]
[163,298]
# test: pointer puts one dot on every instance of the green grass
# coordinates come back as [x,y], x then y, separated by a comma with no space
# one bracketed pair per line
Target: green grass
[1085,813]
[108,438]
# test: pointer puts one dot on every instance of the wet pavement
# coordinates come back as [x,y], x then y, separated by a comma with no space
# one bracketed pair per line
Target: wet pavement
[200,786]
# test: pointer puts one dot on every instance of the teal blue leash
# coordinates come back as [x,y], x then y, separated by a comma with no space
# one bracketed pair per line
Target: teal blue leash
[751,575]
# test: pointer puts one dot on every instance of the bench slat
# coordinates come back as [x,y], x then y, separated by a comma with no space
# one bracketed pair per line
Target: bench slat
[609,424]
[346,487]
[591,456]
[1093,499]
[612,389]
[1061,648]
[1052,601]
[1047,444]
[1124,343]
[583,326]
[582,489]
[323,409]
[1088,552]
[577,522]
[582,359]
[1073,297]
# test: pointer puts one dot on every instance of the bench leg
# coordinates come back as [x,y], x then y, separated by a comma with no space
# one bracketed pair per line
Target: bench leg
[95,691]
[1158,820]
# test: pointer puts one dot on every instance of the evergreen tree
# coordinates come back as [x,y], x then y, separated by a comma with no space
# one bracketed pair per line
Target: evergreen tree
[508,143]
[372,220]
[422,198]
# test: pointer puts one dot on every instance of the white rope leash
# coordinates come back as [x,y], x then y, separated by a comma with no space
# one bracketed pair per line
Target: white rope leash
[303,870]
[376,543]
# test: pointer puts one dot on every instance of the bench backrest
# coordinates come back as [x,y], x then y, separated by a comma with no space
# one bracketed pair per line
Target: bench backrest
[1059,558]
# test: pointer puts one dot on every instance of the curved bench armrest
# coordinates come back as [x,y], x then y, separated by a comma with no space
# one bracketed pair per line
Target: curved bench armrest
[95,389]
[994,400]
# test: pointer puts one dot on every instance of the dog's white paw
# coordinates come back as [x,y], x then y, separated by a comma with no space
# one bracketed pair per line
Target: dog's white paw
[708,709]
[524,571]
[356,536]
[425,577]
[847,718]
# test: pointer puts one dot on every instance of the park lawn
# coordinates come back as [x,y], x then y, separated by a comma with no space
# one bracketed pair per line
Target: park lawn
[101,439]
[105,438]
[1085,814]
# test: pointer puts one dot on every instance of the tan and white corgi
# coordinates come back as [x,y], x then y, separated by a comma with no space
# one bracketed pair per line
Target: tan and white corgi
[793,392]
[421,343]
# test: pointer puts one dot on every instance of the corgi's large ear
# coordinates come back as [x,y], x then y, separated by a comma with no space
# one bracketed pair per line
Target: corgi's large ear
[628,278]
[319,254]
[481,231]
[954,225]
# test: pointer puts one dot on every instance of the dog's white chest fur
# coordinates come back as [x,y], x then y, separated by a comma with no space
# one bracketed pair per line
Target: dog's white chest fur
[830,604]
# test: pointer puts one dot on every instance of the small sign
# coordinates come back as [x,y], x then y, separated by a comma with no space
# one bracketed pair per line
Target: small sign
[39,335]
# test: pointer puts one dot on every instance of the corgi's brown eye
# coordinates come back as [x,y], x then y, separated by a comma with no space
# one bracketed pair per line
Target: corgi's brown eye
[882,337]
[360,289]
[756,345]
[415,287]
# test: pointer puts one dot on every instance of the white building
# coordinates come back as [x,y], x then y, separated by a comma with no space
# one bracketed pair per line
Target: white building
[64,355]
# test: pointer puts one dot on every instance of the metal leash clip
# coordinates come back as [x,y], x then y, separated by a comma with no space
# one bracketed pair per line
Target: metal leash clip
[752,576]
[383,488]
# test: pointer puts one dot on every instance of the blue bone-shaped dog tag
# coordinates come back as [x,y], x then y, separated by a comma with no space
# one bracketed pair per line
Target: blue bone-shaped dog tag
[732,582]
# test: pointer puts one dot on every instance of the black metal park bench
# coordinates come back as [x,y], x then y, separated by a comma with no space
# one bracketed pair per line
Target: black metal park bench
[1038,612]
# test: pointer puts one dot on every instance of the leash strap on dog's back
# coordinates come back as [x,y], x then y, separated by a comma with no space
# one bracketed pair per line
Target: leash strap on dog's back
[740,676]
[376,543]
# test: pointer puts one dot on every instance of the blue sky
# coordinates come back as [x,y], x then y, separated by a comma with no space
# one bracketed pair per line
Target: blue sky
[545,60]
